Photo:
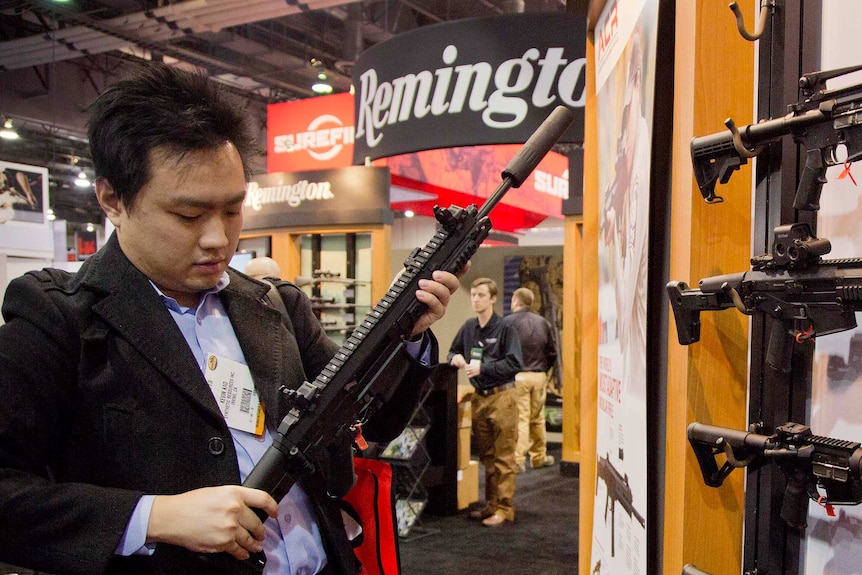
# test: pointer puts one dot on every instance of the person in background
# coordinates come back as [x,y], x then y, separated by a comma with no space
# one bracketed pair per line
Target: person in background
[262,267]
[537,348]
[488,350]
[116,456]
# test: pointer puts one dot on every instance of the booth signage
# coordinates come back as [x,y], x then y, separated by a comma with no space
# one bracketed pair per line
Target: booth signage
[474,81]
[311,134]
[351,195]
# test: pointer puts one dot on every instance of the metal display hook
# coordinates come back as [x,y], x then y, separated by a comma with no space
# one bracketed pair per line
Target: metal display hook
[761,24]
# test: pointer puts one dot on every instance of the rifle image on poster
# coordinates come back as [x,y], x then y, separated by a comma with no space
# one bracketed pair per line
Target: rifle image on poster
[808,295]
[618,489]
[348,390]
[823,122]
[810,463]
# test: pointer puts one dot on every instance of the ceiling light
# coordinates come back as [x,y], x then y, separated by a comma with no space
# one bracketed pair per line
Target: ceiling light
[8,132]
[321,87]
[409,213]
[90,227]
[51,215]
[82,181]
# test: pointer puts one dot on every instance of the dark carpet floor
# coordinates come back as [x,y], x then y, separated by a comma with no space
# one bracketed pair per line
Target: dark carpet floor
[543,540]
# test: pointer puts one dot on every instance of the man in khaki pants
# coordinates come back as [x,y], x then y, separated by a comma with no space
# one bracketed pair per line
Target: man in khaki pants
[487,349]
[538,351]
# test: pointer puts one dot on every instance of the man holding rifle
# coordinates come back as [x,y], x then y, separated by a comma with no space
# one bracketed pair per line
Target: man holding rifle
[121,450]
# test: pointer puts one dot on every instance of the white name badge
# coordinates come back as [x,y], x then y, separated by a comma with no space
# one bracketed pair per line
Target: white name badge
[233,388]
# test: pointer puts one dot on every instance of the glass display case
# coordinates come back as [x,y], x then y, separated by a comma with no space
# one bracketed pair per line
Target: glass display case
[335,273]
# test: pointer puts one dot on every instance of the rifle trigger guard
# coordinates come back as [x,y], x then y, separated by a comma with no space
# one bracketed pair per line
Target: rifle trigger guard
[737,141]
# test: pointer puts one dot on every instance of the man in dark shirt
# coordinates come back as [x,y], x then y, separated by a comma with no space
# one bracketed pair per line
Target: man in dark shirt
[488,350]
[537,346]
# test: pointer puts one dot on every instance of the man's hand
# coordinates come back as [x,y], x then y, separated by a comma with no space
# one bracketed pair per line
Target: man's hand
[458,361]
[461,363]
[472,370]
[435,293]
[212,519]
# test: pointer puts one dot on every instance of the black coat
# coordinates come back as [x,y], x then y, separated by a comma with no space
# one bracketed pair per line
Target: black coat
[102,401]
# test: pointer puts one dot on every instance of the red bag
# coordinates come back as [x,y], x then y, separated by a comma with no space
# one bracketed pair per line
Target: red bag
[371,502]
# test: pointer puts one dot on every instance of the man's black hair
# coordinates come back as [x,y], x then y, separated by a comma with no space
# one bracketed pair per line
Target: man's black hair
[166,108]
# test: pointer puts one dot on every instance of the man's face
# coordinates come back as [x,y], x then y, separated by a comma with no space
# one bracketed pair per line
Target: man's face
[185,222]
[480,299]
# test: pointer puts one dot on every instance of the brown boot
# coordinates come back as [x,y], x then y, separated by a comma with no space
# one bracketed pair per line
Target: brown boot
[481,514]
[495,520]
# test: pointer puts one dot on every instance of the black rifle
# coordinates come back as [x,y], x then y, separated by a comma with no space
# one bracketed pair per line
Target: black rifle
[809,296]
[618,490]
[348,390]
[809,462]
[821,121]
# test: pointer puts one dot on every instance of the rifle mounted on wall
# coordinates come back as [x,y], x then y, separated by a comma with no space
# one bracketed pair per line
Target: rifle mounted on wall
[823,121]
[822,469]
[808,295]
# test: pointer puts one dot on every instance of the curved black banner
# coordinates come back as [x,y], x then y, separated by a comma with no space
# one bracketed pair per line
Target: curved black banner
[469,82]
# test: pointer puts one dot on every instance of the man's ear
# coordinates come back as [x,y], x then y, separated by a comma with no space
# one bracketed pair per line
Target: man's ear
[110,202]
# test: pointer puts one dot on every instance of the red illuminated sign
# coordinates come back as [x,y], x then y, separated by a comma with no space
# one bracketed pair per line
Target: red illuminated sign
[312,134]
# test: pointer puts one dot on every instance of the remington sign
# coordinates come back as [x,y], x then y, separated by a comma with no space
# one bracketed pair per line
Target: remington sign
[352,195]
[291,194]
[476,81]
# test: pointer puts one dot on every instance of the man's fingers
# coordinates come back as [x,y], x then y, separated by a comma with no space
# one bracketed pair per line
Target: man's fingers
[260,500]
[451,281]
[248,542]
[251,525]
[239,552]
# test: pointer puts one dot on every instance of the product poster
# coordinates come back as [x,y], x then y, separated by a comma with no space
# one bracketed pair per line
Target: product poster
[625,79]
[831,542]
[24,227]
[21,193]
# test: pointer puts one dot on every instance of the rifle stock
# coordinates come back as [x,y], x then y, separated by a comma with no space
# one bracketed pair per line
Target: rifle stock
[821,122]
[349,389]
[809,462]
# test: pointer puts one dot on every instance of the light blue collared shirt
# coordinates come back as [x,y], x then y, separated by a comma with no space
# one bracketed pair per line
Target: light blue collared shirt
[207,329]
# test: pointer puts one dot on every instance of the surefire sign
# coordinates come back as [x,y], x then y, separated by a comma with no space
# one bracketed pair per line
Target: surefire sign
[312,134]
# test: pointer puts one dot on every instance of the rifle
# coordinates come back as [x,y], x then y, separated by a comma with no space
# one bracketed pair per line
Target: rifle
[618,490]
[809,296]
[808,461]
[348,391]
[821,121]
